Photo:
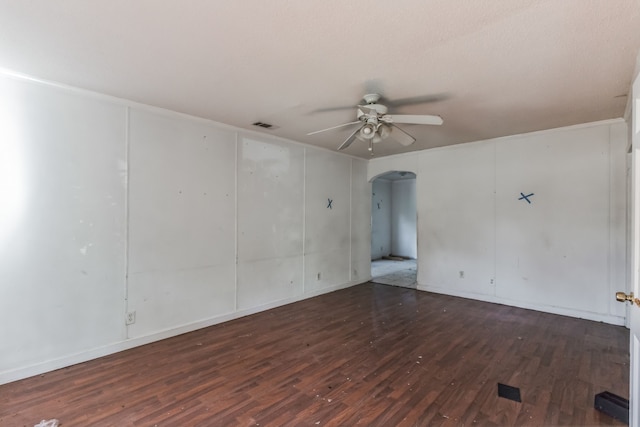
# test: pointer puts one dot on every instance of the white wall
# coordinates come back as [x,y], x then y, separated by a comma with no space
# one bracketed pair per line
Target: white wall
[110,207]
[404,240]
[563,253]
[270,221]
[456,211]
[380,218]
[62,227]
[181,202]
[360,223]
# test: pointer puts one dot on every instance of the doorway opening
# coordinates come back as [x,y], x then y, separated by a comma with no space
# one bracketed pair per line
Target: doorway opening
[394,243]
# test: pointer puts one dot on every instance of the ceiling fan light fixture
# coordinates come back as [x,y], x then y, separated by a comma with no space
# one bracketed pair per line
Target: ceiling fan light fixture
[383,131]
[368,131]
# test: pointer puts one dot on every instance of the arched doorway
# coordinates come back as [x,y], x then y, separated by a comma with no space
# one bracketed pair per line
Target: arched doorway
[394,229]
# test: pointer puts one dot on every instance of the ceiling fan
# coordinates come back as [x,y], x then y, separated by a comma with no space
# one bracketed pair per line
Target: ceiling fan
[376,125]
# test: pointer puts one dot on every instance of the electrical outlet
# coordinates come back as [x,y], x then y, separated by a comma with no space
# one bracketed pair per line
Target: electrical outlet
[492,281]
[462,274]
[130,318]
[318,276]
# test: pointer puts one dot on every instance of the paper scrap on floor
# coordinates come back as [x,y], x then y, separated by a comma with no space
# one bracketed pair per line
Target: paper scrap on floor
[48,423]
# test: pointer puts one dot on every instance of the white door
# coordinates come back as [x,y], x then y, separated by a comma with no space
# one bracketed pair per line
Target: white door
[634,310]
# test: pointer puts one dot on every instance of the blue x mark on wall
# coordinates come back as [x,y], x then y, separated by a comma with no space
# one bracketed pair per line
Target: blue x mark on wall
[526,197]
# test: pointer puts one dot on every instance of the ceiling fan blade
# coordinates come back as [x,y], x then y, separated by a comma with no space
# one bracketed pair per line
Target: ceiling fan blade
[412,119]
[401,136]
[329,109]
[424,99]
[335,127]
[349,140]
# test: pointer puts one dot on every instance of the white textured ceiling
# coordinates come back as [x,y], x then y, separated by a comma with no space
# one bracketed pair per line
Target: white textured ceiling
[507,67]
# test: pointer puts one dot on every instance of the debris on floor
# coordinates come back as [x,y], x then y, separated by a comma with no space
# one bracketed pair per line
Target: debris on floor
[48,423]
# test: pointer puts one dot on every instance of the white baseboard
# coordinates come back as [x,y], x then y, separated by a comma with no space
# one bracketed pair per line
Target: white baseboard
[95,353]
[597,317]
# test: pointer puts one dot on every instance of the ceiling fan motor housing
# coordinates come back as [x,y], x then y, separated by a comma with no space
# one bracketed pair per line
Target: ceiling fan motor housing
[371,98]
[372,110]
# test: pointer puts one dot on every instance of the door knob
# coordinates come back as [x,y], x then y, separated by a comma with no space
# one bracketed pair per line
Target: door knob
[622,297]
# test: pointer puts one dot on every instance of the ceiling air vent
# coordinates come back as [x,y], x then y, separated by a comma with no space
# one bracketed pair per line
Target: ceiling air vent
[265,125]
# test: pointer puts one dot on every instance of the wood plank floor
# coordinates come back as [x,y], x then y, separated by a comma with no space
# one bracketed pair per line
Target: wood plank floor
[371,355]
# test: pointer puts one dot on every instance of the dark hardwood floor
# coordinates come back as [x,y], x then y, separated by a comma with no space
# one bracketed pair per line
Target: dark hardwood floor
[371,355]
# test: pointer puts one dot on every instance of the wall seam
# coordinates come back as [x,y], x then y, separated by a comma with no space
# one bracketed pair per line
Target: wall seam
[418,258]
[609,222]
[127,151]
[495,218]
[351,220]
[235,270]
[304,219]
